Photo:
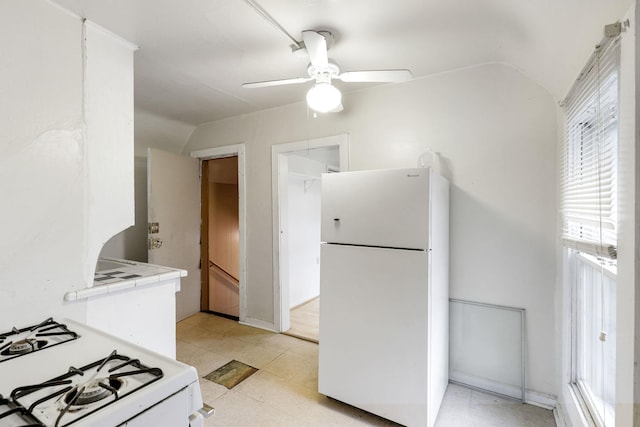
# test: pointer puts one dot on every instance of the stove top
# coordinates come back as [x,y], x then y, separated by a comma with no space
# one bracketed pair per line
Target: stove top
[83,377]
[19,342]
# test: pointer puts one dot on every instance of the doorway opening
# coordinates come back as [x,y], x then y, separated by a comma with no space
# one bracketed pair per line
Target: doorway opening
[220,237]
[296,181]
[223,267]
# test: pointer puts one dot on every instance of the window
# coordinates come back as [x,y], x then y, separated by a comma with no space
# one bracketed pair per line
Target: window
[594,314]
[588,204]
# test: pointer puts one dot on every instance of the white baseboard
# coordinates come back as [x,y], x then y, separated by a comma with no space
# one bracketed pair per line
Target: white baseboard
[543,400]
[257,323]
[557,416]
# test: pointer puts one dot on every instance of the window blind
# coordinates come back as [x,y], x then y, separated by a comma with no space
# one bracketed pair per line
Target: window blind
[588,158]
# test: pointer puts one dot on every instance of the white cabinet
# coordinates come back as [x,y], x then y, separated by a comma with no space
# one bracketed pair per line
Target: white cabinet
[135,302]
[145,316]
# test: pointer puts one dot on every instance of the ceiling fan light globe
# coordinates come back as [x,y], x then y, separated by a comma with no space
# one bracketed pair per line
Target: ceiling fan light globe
[323,97]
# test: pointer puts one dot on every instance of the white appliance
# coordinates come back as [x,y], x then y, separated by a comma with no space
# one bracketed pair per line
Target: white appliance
[58,374]
[384,292]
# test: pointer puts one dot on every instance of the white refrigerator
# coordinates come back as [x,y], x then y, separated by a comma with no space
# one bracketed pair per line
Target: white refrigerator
[384,287]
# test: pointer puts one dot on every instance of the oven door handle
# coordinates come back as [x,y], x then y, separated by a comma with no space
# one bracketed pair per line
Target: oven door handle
[206,410]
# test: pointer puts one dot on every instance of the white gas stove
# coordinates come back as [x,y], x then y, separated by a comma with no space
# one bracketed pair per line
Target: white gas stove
[59,374]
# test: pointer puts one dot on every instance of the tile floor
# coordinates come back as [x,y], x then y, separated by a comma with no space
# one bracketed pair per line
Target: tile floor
[304,320]
[283,391]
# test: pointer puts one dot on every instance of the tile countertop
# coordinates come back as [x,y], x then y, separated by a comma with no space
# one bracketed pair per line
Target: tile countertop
[126,275]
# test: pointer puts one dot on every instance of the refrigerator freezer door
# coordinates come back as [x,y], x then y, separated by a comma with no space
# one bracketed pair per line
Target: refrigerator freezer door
[374,332]
[387,208]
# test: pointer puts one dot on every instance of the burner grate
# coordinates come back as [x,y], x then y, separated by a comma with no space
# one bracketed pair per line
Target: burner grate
[19,342]
[13,414]
[80,392]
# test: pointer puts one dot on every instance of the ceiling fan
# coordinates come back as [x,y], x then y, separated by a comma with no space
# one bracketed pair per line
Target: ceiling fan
[323,96]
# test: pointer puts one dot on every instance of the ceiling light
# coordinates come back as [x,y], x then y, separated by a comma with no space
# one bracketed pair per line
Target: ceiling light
[323,97]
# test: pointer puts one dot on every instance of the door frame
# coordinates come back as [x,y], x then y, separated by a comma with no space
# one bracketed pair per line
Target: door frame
[279,173]
[231,151]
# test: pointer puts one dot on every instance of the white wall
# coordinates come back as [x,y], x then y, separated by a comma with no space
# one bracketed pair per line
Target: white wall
[108,117]
[153,131]
[41,160]
[496,131]
[132,242]
[51,117]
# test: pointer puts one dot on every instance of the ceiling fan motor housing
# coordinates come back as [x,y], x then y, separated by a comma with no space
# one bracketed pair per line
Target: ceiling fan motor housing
[324,74]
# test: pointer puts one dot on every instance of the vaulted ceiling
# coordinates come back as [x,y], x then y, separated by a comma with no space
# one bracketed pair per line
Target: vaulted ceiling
[194,54]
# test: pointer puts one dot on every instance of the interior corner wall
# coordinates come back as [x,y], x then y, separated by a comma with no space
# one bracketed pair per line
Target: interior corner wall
[496,132]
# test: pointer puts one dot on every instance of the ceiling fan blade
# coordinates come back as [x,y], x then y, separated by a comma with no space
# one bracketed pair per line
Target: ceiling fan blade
[316,46]
[282,82]
[375,76]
